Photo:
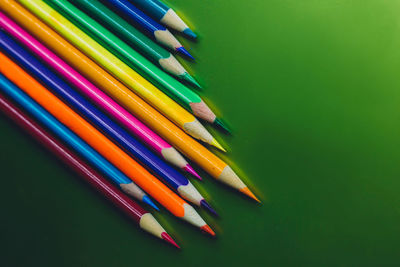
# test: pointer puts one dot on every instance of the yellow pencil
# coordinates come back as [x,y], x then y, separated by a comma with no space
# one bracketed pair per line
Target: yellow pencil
[121,71]
[179,139]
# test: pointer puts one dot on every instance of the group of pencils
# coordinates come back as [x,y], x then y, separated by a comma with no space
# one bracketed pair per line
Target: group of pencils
[97,83]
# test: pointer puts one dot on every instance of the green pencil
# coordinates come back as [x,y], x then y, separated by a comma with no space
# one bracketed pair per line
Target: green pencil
[136,39]
[176,90]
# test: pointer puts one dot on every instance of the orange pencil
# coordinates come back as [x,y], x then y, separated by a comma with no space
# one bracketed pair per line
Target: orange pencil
[99,142]
[213,165]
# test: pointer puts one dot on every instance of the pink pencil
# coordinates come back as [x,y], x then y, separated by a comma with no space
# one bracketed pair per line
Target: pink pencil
[142,132]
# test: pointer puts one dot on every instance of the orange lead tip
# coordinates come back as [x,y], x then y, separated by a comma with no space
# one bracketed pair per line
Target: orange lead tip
[207,229]
[247,192]
[169,239]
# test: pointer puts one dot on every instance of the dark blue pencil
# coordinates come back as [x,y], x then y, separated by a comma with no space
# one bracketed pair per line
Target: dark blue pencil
[171,176]
[147,25]
[164,14]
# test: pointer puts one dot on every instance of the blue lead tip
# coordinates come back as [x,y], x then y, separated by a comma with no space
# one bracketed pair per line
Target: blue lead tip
[148,201]
[207,206]
[188,32]
[184,52]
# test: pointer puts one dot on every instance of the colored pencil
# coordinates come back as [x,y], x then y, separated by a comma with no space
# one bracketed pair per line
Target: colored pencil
[192,149]
[130,208]
[110,171]
[143,44]
[171,176]
[176,90]
[142,132]
[123,72]
[148,25]
[99,142]
[164,14]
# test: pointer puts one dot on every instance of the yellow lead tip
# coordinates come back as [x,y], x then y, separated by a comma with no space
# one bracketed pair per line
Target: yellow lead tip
[247,192]
[217,145]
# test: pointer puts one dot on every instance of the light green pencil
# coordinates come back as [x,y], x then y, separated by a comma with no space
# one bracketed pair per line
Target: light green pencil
[136,39]
[176,90]
[111,63]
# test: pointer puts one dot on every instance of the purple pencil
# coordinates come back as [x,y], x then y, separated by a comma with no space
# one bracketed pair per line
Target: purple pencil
[142,132]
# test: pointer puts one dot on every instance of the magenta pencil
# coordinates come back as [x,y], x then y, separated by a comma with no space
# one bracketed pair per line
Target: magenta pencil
[131,123]
[133,210]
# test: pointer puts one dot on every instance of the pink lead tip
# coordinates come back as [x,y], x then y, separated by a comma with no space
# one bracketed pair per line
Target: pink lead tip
[169,239]
[190,170]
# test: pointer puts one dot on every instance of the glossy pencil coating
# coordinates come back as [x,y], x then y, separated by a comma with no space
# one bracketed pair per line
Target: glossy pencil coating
[176,90]
[123,72]
[142,132]
[213,165]
[98,141]
[148,25]
[171,176]
[147,47]
[164,14]
[95,159]
[145,220]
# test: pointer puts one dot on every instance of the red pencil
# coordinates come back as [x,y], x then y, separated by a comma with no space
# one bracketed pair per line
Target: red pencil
[145,220]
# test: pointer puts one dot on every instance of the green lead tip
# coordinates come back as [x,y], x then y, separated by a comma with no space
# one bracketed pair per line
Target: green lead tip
[187,77]
[222,125]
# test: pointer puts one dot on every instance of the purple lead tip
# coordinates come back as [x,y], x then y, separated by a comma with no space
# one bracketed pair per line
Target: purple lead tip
[207,206]
[184,52]
[190,170]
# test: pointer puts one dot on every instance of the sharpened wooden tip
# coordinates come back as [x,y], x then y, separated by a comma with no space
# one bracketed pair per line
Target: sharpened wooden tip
[217,145]
[247,192]
[202,110]
[184,52]
[169,239]
[220,123]
[207,229]
[189,33]
[189,78]
[190,170]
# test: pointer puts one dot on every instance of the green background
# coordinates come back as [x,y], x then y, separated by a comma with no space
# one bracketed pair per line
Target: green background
[311,90]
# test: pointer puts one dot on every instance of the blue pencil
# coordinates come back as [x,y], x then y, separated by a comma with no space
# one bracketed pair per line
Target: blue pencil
[164,14]
[171,176]
[73,141]
[148,25]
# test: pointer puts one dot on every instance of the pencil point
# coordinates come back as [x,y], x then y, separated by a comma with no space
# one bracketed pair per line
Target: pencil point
[188,32]
[247,192]
[190,170]
[207,206]
[220,123]
[189,78]
[215,143]
[169,239]
[184,52]
[149,202]
[208,230]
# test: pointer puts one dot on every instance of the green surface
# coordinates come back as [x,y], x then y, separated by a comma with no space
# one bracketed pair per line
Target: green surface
[320,83]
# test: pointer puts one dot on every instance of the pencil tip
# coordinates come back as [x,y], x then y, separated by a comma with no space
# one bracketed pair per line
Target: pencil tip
[189,78]
[188,32]
[247,192]
[220,123]
[215,143]
[149,202]
[208,230]
[184,52]
[169,239]
[190,170]
[207,206]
